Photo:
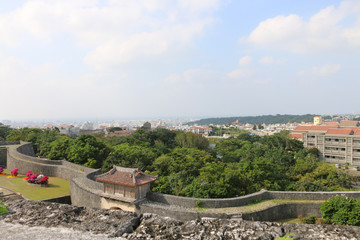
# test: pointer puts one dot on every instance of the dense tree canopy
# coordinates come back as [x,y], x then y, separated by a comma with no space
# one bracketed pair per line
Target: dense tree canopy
[341,210]
[186,166]
[4,131]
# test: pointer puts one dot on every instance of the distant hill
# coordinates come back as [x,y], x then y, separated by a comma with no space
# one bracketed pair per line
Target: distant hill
[267,119]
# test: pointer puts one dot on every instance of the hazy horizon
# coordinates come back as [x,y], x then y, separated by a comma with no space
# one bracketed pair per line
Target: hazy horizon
[208,58]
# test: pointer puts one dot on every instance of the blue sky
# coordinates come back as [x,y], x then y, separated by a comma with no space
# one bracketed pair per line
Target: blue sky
[157,59]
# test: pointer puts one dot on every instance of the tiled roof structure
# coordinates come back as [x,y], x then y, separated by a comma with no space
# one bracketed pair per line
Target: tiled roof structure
[130,177]
[296,135]
[332,123]
[349,123]
[340,131]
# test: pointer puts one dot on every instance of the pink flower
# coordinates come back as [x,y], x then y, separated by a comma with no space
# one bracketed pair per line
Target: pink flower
[28,174]
[1,169]
[14,172]
[44,180]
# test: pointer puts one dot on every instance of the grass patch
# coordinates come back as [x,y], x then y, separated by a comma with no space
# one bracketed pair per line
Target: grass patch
[3,209]
[57,187]
[260,206]
[290,220]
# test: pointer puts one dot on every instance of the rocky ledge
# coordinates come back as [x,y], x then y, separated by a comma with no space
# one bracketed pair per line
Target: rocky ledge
[125,225]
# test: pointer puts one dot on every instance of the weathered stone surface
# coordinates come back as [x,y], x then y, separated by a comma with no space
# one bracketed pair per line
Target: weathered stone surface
[155,227]
[125,225]
[45,214]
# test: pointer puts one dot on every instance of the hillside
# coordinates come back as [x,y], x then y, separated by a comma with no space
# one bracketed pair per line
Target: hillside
[267,119]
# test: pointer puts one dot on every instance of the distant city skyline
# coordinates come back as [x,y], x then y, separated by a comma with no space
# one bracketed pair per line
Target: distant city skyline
[157,59]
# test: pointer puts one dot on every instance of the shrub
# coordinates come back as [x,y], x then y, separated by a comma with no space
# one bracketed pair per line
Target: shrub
[3,209]
[14,172]
[341,210]
[309,220]
[286,237]
[198,203]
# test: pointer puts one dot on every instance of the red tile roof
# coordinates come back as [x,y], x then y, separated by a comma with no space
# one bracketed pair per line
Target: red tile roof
[320,128]
[339,131]
[347,122]
[352,128]
[130,177]
[357,132]
[301,129]
[311,128]
[296,135]
[332,123]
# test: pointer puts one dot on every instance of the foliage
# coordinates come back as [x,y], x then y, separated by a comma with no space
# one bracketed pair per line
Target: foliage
[113,129]
[191,140]
[177,169]
[14,172]
[56,188]
[58,149]
[341,210]
[267,119]
[3,208]
[87,150]
[134,156]
[286,237]
[36,178]
[4,131]
[186,166]
[38,137]
[309,220]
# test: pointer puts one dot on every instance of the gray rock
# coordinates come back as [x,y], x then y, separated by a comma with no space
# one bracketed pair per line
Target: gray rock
[125,225]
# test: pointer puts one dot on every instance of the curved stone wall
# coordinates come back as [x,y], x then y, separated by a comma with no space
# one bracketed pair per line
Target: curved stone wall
[245,200]
[85,191]
[22,157]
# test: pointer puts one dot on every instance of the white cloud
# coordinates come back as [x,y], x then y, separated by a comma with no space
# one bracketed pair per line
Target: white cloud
[114,32]
[324,30]
[246,60]
[173,78]
[325,70]
[199,5]
[240,73]
[266,60]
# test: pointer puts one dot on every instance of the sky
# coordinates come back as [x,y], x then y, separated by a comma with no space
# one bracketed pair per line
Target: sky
[139,59]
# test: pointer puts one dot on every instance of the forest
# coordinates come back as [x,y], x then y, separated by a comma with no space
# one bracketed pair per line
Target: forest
[186,166]
[267,119]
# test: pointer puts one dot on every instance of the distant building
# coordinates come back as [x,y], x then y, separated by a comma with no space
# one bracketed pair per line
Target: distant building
[337,143]
[146,126]
[203,130]
[123,187]
[317,120]
[69,130]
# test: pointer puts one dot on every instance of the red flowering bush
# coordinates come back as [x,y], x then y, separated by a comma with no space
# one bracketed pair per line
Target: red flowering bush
[38,179]
[44,180]
[14,172]
[28,174]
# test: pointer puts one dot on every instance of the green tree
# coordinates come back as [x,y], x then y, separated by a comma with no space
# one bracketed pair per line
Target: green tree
[134,156]
[58,149]
[87,150]
[191,140]
[341,210]
[177,169]
[4,131]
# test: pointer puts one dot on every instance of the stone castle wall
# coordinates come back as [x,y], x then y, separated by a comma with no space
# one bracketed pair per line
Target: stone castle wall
[85,191]
[22,157]
[3,156]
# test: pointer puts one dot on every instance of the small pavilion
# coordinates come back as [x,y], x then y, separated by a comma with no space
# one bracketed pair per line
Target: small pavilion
[123,187]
